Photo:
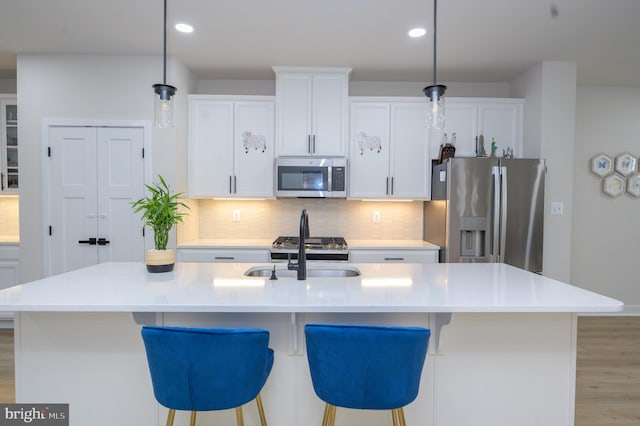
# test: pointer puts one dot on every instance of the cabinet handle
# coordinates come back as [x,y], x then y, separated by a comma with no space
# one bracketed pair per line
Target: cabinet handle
[392,185]
[235,184]
[314,144]
[396,259]
[1,181]
[230,184]
[309,144]
[103,241]
[224,258]
[387,185]
[90,241]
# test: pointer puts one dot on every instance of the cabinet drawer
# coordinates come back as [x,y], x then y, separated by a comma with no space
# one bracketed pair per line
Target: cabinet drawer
[393,256]
[222,255]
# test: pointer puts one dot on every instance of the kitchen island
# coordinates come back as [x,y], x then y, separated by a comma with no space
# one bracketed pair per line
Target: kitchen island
[502,351]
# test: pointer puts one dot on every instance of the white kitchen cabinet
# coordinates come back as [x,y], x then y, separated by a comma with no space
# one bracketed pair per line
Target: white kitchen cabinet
[311,111]
[8,144]
[231,149]
[389,150]
[499,119]
[393,256]
[222,255]
[9,260]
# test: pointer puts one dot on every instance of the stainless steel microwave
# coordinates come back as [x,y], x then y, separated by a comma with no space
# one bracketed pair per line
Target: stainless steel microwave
[311,177]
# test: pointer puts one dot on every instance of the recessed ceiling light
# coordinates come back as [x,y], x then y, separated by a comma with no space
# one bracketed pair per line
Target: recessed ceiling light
[417,32]
[184,28]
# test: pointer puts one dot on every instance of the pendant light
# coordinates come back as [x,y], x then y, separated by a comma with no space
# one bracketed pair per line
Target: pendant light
[163,102]
[435,92]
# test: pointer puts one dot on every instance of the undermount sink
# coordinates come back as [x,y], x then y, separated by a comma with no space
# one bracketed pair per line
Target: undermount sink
[312,272]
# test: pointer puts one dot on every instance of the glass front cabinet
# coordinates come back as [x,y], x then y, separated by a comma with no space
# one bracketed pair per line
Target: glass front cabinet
[9,145]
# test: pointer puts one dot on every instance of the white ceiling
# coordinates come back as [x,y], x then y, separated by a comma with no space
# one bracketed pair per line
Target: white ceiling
[478,40]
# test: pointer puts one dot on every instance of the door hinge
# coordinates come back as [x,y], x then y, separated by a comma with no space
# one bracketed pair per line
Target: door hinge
[50,230]
[48,151]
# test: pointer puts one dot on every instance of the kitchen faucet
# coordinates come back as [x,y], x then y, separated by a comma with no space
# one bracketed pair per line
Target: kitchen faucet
[301,265]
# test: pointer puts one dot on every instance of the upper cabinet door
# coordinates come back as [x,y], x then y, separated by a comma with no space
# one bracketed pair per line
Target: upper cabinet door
[210,148]
[329,115]
[293,112]
[461,119]
[410,163]
[8,145]
[311,111]
[231,146]
[253,149]
[468,118]
[369,151]
[502,122]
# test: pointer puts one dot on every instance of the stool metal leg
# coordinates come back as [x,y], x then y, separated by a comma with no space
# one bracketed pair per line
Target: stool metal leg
[332,416]
[325,418]
[193,419]
[239,416]
[263,418]
[401,416]
[170,417]
[394,417]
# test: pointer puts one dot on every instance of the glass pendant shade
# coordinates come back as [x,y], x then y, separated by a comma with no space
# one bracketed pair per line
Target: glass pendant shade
[435,106]
[164,105]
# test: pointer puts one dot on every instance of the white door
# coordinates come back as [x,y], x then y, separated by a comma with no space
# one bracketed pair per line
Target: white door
[369,150]
[94,175]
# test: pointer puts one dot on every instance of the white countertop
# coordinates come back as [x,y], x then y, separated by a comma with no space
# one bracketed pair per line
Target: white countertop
[222,287]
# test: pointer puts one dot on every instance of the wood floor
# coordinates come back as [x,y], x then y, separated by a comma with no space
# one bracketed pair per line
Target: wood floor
[608,371]
[607,383]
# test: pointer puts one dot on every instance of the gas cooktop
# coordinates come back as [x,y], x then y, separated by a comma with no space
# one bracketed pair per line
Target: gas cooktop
[316,248]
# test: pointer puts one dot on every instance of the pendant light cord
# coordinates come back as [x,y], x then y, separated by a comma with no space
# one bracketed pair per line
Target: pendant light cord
[164,46]
[435,37]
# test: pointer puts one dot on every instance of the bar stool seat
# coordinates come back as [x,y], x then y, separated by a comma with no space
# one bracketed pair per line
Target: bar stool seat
[205,369]
[366,366]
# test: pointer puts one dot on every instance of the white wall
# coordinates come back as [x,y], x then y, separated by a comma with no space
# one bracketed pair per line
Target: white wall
[357,88]
[87,87]
[605,248]
[549,89]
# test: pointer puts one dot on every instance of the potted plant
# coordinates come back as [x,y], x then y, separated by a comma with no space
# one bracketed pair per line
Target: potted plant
[160,212]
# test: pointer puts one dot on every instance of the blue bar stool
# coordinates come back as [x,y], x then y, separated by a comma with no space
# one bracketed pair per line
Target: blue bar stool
[205,369]
[366,367]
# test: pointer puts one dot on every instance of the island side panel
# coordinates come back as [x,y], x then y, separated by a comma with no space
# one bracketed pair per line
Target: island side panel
[505,369]
[93,361]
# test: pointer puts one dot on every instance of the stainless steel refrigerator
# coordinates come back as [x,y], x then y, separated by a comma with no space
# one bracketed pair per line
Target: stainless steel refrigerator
[487,210]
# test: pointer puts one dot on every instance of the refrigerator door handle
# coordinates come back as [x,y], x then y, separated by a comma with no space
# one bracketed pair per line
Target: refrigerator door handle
[495,215]
[503,213]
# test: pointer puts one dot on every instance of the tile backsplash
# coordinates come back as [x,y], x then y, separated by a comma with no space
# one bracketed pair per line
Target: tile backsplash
[9,217]
[400,220]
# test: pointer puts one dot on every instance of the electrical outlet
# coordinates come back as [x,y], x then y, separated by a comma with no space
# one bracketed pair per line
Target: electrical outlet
[375,216]
[236,215]
[557,208]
